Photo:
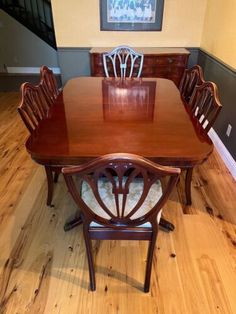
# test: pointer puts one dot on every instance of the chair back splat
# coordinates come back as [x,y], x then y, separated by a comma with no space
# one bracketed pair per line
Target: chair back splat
[191,78]
[33,107]
[205,104]
[123,62]
[48,85]
[120,197]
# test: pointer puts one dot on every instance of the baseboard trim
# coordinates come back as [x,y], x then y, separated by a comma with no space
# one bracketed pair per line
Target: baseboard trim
[30,70]
[223,152]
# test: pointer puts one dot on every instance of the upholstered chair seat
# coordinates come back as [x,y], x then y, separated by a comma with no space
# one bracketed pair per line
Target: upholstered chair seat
[135,191]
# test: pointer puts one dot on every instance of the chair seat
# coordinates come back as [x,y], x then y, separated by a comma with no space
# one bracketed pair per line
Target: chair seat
[135,191]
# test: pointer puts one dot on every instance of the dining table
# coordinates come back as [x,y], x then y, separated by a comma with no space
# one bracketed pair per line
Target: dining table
[94,116]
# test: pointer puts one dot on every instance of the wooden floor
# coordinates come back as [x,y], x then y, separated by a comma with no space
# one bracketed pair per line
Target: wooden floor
[44,270]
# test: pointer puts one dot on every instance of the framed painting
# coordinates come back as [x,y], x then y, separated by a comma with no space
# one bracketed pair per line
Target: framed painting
[131,15]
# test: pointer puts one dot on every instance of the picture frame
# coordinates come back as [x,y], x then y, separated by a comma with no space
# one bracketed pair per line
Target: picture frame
[131,15]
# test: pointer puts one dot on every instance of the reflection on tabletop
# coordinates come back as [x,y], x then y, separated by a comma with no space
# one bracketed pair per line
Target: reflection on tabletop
[128,100]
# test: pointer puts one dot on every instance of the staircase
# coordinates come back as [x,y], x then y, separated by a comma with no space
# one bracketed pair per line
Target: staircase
[36,15]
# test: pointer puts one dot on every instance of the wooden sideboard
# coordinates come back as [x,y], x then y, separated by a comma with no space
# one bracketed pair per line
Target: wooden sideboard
[158,62]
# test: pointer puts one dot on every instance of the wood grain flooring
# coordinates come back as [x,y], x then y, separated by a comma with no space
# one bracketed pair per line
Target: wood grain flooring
[44,270]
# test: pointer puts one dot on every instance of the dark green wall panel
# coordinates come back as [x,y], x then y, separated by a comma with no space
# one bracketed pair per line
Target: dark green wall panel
[73,62]
[225,79]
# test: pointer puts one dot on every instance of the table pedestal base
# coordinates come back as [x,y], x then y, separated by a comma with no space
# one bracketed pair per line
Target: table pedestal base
[71,224]
[166,225]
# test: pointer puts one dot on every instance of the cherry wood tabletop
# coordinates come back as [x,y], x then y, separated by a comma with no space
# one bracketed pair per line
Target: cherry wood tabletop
[94,116]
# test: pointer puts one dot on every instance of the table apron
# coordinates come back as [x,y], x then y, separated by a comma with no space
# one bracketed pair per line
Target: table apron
[81,160]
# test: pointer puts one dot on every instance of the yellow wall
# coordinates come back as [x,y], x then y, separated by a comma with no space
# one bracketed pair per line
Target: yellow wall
[77,24]
[219,30]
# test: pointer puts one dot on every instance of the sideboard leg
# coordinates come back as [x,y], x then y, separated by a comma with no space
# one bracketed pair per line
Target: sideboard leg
[188,180]
[49,175]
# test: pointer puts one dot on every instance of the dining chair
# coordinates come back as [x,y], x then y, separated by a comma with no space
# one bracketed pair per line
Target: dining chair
[204,107]
[34,108]
[191,78]
[123,62]
[48,85]
[205,104]
[120,197]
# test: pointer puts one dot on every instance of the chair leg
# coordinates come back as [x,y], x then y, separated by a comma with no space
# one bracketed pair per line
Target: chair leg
[151,248]
[49,175]
[188,180]
[90,258]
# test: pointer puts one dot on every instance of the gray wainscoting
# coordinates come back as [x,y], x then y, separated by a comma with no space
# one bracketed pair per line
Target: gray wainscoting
[225,78]
[73,62]
[193,58]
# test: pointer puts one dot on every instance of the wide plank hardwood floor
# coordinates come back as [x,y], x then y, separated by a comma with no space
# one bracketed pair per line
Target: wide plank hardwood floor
[44,270]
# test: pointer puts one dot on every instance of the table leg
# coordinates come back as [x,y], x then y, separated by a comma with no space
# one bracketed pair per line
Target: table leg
[188,180]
